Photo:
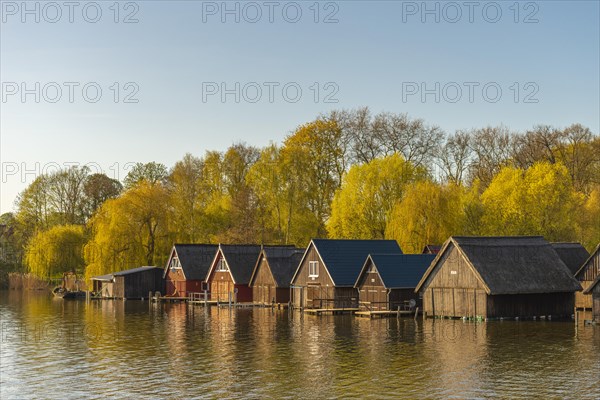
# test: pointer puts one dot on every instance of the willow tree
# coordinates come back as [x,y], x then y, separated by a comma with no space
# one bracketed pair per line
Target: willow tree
[429,213]
[56,250]
[362,205]
[130,230]
[538,201]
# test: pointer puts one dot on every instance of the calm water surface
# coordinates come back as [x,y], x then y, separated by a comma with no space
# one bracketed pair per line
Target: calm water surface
[57,349]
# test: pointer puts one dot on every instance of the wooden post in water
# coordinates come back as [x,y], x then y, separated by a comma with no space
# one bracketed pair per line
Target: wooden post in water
[205,298]
[398,313]
[416,312]
[229,298]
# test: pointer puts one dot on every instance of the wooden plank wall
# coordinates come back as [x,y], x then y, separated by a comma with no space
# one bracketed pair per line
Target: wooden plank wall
[591,270]
[530,305]
[596,303]
[263,286]
[372,294]
[454,290]
[586,277]
[312,293]
[583,300]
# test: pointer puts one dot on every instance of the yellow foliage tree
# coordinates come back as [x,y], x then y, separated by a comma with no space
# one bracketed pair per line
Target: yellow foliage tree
[56,250]
[130,231]
[590,220]
[429,213]
[537,201]
[361,207]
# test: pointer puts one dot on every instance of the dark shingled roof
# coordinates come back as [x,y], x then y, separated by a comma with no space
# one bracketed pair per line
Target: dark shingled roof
[512,265]
[135,270]
[241,259]
[195,259]
[344,258]
[104,278]
[572,254]
[283,262]
[399,270]
[109,277]
[587,262]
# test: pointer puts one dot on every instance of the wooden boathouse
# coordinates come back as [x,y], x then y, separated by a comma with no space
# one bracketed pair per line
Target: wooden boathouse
[388,281]
[586,275]
[187,268]
[230,272]
[328,271]
[572,254]
[270,280]
[495,277]
[593,292]
[102,285]
[135,283]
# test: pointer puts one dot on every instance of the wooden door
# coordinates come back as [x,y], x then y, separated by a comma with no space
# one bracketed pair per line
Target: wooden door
[313,296]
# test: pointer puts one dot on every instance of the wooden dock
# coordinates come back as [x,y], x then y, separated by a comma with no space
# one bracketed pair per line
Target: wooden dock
[168,299]
[320,311]
[383,314]
[203,302]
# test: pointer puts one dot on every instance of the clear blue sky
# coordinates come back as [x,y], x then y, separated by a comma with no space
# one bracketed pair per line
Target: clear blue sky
[377,54]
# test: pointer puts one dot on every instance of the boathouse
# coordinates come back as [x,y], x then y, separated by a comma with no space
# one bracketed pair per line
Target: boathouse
[328,271]
[572,254]
[102,285]
[187,267]
[593,292]
[494,277]
[230,272]
[388,281]
[586,275]
[270,280]
[135,283]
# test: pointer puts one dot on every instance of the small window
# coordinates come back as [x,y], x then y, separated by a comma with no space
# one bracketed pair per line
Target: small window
[313,269]
[222,265]
[175,264]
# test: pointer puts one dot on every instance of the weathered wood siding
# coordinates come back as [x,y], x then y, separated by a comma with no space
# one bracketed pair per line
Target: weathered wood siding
[177,285]
[591,269]
[372,293]
[137,285]
[453,290]
[589,273]
[530,305]
[583,301]
[311,292]
[264,287]
[106,289]
[596,303]
[319,292]
[220,284]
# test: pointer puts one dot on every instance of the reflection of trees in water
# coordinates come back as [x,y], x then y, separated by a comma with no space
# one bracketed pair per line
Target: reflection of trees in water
[138,350]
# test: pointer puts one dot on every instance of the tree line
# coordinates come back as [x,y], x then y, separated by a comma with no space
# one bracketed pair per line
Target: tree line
[346,174]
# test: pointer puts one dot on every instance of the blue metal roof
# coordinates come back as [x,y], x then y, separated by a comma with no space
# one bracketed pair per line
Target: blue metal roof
[345,258]
[401,270]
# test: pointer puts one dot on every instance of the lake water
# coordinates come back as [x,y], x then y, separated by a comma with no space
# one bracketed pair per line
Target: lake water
[61,349]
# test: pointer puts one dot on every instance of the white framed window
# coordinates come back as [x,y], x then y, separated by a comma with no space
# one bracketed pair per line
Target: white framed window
[222,265]
[313,269]
[175,264]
